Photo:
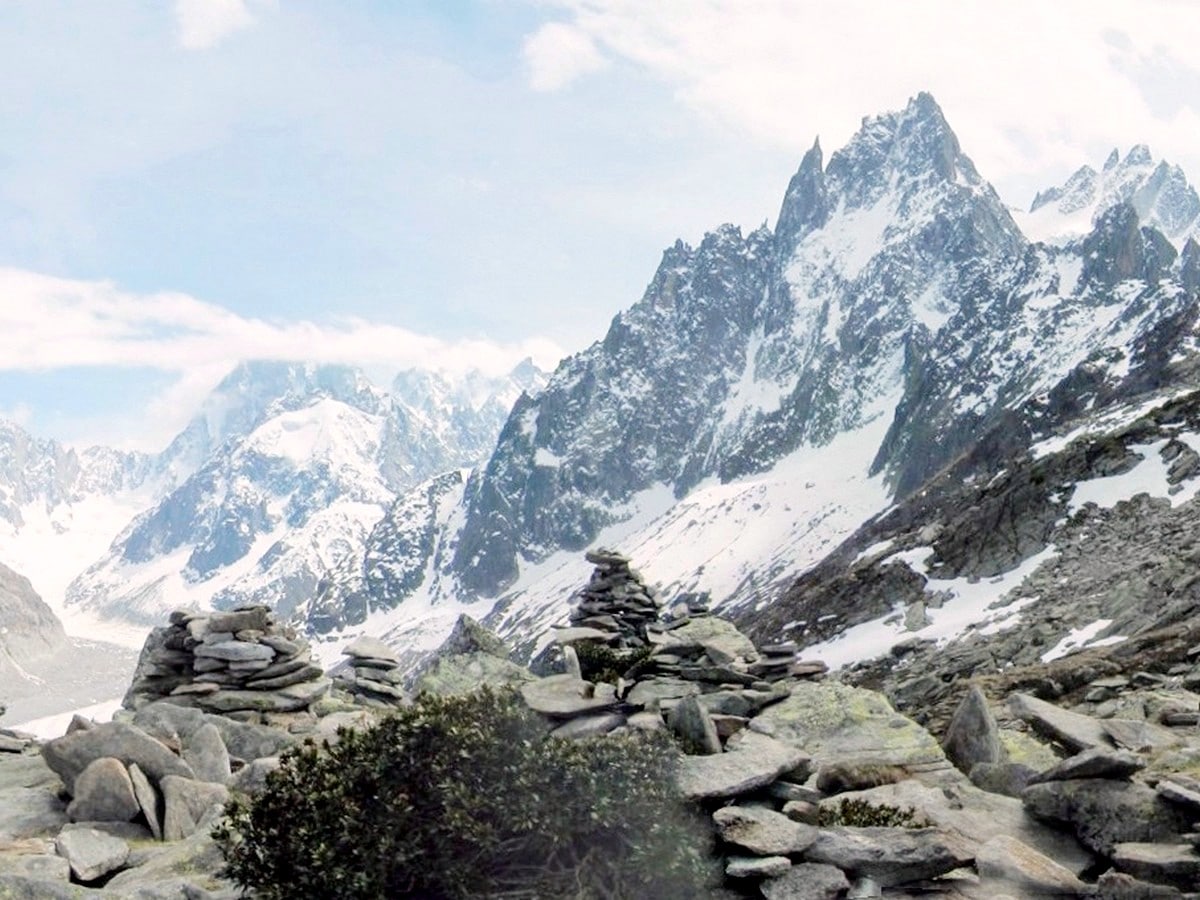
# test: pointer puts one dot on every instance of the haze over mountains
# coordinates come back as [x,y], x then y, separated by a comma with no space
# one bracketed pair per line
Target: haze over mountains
[769,394]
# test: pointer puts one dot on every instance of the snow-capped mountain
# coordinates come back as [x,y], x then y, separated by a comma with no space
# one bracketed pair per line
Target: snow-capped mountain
[772,391]
[300,461]
[1158,191]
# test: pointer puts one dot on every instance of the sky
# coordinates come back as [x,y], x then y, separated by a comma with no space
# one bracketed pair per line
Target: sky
[395,183]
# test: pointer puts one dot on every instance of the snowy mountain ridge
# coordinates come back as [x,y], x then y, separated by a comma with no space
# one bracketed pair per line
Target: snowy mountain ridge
[771,392]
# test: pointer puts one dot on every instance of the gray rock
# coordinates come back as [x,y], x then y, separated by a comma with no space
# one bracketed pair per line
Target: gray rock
[1105,813]
[756,866]
[288,699]
[256,618]
[103,793]
[91,853]
[589,726]
[972,736]
[1015,865]
[833,722]
[26,812]
[458,674]
[235,651]
[716,633]
[1009,779]
[743,703]
[69,755]
[252,778]
[1186,795]
[248,741]
[468,636]
[563,696]
[1098,762]
[650,692]
[42,866]
[750,761]
[374,648]
[1074,731]
[807,881]
[1113,885]
[1174,864]
[297,675]
[187,803]
[762,831]
[23,887]
[205,752]
[691,722]
[1142,737]
[148,800]
[891,855]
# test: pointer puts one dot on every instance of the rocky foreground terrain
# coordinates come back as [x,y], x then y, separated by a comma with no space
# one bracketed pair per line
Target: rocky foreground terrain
[816,788]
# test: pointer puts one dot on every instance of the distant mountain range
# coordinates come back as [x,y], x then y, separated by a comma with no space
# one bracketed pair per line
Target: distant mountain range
[771,396]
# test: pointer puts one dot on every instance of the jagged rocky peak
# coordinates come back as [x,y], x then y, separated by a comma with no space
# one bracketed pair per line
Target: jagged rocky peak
[1120,248]
[1158,191]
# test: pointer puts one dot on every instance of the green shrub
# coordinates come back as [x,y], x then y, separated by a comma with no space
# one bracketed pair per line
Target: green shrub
[862,814]
[468,797]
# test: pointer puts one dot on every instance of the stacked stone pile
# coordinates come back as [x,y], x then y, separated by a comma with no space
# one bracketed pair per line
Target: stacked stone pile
[615,602]
[374,677]
[241,663]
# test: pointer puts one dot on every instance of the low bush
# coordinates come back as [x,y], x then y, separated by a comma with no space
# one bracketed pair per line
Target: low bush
[458,797]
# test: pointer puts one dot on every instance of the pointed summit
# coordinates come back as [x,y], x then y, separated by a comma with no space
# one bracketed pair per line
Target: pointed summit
[1113,158]
[806,204]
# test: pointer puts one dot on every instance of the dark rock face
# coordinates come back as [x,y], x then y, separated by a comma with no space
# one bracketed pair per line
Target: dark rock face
[30,629]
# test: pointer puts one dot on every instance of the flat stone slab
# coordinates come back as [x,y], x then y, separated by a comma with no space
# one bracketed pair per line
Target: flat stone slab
[563,696]
[1098,762]
[589,726]
[186,803]
[756,866]
[750,761]
[91,853]
[1139,736]
[1185,795]
[1074,731]
[235,651]
[1010,862]
[762,831]
[807,881]
[103,793]
[891,855]
[1176,864]
[148,800]
[373,648]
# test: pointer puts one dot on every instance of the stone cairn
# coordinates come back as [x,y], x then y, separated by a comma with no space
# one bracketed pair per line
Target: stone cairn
[240,663]
[616,602]
[373,677]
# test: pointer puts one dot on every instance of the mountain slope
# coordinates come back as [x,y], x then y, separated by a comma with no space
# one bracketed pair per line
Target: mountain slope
[771,392]
[299,462]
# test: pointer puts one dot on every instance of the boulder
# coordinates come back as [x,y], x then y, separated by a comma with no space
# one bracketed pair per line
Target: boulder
[1025,871]
[807,881]
[756,866]
[1074,731]
[1139,736]
[205,752]
[762,831]
[1098,762]
[1105,813]
[751,761]
[972,736]
[91,853]
[187,803]
[714,632]
[69,755]
[461,673]
[833,722]
[563,696]
[236,651]
[371,648]
[1113,885]
[695,727]
[252,778]
[103,793]
[589,726]
[890,855]
[1174,864]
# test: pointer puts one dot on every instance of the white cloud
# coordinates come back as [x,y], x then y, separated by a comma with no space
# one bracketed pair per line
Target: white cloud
[556,54]
[205,23]
[49,323]
[1033,89]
